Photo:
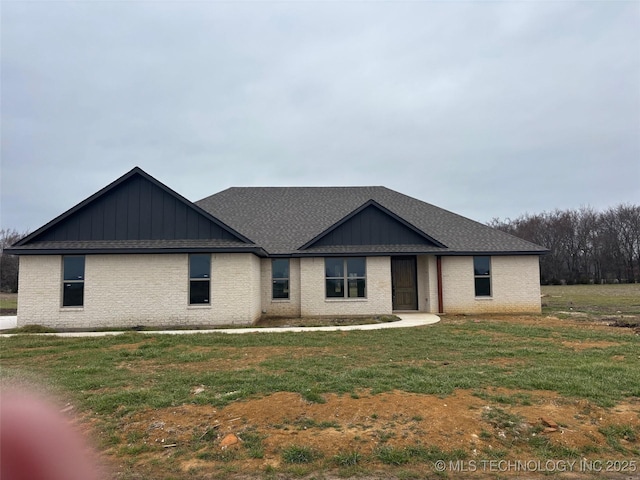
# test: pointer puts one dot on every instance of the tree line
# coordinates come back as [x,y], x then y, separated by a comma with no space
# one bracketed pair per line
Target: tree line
[9,263]
[586,246]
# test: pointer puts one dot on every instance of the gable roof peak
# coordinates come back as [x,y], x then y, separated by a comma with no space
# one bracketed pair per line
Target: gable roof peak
[123,206]
[384,227]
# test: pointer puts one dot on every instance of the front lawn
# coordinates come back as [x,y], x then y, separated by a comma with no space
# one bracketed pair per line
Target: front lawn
[351,402]
[598,300]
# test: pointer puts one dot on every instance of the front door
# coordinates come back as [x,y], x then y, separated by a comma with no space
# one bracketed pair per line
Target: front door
[404,283]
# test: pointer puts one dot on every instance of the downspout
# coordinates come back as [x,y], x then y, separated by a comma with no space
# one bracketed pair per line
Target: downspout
[439,273]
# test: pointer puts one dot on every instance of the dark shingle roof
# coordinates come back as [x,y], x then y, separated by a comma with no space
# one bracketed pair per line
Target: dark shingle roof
[283,219]
[278,220]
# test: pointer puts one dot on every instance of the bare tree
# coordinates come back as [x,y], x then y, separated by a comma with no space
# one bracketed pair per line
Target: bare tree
[622,224]
[585,245]
[9,263]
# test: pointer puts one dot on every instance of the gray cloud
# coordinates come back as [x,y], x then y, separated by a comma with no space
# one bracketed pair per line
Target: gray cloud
[487,109]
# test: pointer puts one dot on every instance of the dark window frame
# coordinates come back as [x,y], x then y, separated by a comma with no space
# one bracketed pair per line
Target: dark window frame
[343,281]
[482,276]
[199,294]
[280,283]
[72,283]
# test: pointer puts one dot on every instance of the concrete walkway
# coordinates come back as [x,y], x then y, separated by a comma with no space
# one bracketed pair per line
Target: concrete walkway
[406,320]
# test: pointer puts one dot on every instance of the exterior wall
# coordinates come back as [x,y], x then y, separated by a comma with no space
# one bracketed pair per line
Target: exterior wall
[315,303]
[434,306]
[281,307]
[427,284]
[132,290]
[235,289]
[39,289]
[515,285]
[152,290]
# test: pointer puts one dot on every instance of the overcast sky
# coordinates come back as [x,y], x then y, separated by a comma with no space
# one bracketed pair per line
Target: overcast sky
[488,109]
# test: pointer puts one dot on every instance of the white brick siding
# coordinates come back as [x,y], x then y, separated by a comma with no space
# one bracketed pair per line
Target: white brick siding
[427,284]
[515,285]
[39,289]
[131,290]
[313,295]
[281,307]
[153,290]
[236,287]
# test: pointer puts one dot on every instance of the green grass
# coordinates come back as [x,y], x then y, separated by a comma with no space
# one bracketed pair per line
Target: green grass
[615,433]
[593,299]
[300,454]
[503,420]
[8,303]
[305,423]
[109,379]
[117,376]
[347,459]
[31,329]
[252,442]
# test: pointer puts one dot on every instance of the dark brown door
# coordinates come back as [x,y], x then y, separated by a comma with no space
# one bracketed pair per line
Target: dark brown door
[403,283]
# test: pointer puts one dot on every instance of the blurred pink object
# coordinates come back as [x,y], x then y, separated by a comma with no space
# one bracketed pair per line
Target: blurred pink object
[37,442]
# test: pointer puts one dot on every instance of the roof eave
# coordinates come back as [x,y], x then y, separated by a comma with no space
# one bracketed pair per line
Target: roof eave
[443,253]
[260,252]
[494,253]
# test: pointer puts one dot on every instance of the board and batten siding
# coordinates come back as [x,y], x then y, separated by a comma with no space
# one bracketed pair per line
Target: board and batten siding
[136,209]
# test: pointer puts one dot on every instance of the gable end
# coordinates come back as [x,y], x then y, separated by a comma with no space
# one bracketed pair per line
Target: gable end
[372,224]
[134,207]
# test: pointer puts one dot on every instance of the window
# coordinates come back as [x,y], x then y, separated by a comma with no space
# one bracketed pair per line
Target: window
[73,281]
[280,278]
[482,276]
[199,279]
[345,277]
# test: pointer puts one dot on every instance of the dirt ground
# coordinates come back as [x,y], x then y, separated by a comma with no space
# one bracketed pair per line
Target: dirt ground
[345,424]
[491,425]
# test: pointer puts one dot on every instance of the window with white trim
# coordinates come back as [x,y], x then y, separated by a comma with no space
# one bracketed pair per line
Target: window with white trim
[345,277]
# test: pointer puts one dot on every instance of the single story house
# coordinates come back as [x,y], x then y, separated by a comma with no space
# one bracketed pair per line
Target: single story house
[138,253]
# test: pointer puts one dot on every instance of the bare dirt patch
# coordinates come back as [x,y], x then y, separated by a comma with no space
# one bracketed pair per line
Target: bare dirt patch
[190,436]
[587,345]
